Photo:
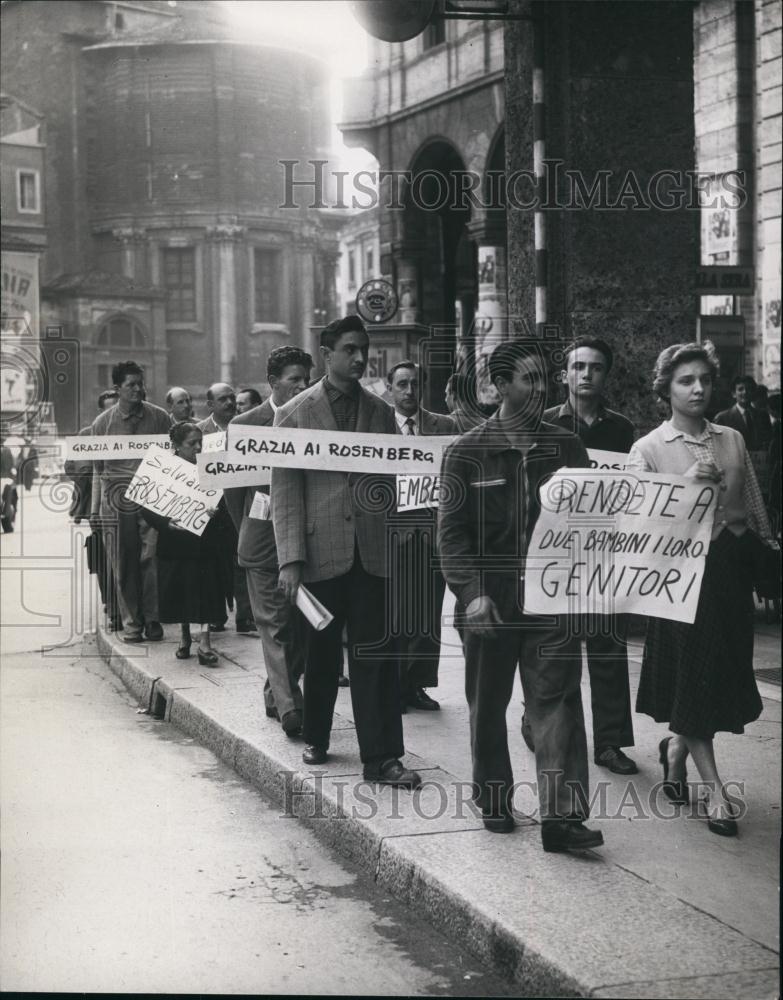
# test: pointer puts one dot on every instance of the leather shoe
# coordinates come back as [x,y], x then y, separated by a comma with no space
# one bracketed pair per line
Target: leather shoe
[216,628]
[615,760]
[314,755]
[153,631]
[527,733]
[133,637]
[676,791]
[342,681]
[292,723]
[498,822]
[559,835]
[392,772]
[272,713]
[418,698]
[246,625]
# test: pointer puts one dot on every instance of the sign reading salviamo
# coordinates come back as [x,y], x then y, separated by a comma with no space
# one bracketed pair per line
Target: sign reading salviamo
[168,485]
[611,542]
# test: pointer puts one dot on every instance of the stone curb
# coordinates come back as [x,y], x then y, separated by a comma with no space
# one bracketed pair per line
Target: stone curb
[531,935]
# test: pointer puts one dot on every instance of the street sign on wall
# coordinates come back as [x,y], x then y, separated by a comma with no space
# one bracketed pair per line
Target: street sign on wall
[724,279]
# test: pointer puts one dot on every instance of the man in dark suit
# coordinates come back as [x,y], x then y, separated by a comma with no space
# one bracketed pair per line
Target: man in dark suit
[418,586]
[280,625]
[485,522]
[740,416]
[584,413]
[332,536]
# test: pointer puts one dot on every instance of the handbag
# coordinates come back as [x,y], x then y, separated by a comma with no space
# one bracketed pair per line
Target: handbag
[765,566]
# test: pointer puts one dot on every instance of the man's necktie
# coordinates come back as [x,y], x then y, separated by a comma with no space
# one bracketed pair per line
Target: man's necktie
[409,427]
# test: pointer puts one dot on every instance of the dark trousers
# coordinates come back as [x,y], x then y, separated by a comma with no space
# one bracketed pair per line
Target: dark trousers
[610,692]
[550,668]
[357,600]
[418,588]
[283,639]
[242,603]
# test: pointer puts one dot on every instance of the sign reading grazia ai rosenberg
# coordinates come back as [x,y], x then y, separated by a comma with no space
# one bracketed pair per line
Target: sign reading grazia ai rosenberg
[724,280]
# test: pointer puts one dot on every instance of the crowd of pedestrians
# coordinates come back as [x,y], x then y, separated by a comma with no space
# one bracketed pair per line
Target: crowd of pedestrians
[382,573]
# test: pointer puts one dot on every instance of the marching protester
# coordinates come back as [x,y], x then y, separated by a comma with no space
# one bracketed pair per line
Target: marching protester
[331,538]
[462,402]
[699,677]
[129,538]
[222,406]
[84,480]
[588,363]
[485,522]
[280,625]
[740,416]
[27,465]
[180,404]
[247,399]
[418,585]
[188,565]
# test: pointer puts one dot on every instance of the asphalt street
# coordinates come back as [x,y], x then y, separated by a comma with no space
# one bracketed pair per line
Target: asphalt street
[133,860]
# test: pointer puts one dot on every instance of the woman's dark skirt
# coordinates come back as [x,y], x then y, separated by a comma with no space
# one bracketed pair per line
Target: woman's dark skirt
[190,590]
[699,678]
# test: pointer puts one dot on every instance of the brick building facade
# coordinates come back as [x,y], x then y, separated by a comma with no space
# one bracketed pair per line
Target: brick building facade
[167,240]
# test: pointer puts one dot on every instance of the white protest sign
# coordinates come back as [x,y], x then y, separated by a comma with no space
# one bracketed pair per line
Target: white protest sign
[619,543]
[224,470]
[213,442]
[113,447]
[415,492]
[336,451]
[169,486]
[600,459]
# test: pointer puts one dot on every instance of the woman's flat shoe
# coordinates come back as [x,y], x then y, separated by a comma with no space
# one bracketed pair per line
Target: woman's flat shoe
[207,659]
[676,791]
[724,827]
[183,652]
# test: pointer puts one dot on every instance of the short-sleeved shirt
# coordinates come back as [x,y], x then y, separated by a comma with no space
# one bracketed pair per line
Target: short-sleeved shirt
[610,431]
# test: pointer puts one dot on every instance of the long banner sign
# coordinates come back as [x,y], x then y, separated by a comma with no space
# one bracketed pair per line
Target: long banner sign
[335,451]
[168,485]
[415,492]
[113,447]
[619,542]
[227,470]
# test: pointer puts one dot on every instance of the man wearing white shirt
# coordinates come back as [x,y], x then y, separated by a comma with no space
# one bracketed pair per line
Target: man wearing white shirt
[418,586]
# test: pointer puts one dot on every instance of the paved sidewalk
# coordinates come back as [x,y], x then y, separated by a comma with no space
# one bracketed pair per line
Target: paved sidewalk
[665,909]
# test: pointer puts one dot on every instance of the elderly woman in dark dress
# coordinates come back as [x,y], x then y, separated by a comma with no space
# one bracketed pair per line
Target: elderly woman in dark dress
[189,587]
[699,678]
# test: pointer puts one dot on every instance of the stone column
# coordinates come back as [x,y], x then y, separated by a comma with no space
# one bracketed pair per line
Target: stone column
[406,255]
[490,326]
[133,243]
[226,237]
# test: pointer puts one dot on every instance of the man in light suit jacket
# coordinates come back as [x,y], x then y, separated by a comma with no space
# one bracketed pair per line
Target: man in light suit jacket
[281,627]
[418,585]
[741,416]
[331,535]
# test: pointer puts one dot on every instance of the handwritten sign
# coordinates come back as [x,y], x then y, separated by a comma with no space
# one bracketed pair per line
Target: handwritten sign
[225,470]
[600,459]
[619,542]
[169,486]
[335,451]
[417,492]
[213,442]
[113,447]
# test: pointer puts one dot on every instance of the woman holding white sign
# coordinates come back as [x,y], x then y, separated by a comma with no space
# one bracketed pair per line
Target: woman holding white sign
[699,678]
[189,588]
